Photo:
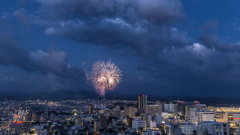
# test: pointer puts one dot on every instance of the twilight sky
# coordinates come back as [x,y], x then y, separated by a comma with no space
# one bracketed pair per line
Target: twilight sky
[167,47]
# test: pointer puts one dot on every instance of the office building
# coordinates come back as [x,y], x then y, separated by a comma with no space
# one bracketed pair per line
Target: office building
[28,116]
[159,119]
[78,121]
[181,107]
[153,109]
[142,101]
[14,129]
[200,114]
[129,111]
[187,109]
[139,124]
[33,116]
[213,128]
[227,114]
[96,126]
[187,129]
[170,108]
[90,109]
[129,122]
[146,118]
[103,121]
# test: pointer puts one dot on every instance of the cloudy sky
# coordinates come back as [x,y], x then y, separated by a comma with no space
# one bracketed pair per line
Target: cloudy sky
[165,47]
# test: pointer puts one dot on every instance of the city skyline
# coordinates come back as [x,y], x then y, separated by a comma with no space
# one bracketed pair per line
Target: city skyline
[162,47]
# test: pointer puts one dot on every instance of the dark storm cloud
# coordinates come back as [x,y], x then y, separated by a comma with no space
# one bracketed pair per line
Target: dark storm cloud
[212,40]
[116,24]
[163,11]
[43,62]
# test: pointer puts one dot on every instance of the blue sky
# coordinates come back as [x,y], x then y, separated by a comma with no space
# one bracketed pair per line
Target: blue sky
[188,47]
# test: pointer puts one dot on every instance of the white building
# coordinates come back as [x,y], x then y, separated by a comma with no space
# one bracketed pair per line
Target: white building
[152,124]
[236,118]
[138,124]
[187,128]
[169,107]
[188,107]
[200,114]
[153,132]
[159,119]
[214,128]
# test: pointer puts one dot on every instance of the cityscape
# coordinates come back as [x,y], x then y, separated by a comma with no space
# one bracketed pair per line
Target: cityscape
[120,117]
[119,67]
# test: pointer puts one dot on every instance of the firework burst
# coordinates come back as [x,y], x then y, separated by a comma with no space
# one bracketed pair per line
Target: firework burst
[105,76]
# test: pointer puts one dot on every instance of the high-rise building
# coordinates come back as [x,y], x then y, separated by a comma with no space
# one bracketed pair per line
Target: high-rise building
[129,111]
[129,122]
[14,129]
[90,111]
[97,126]
[78,121]
[28,116]
[142,101]
[202,107]
[103,121]
[33,116]
[159,119]
[181,106]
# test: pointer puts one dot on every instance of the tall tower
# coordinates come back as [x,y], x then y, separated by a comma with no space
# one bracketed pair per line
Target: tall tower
[90,110]
[142,101]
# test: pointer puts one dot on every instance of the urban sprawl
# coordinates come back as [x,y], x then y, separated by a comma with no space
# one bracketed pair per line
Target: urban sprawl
[118,117]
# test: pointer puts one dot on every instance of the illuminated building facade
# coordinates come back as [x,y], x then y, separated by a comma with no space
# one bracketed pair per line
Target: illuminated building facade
[96,126]
[227,114]
[153,109]
[90,109]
